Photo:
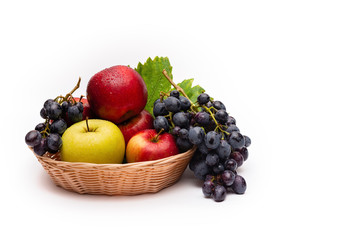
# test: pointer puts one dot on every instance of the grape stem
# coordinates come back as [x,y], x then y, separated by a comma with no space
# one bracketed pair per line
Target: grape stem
[218,126]
[175,85]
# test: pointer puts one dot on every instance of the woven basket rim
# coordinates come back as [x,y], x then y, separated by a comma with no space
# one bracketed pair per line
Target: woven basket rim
[113,166]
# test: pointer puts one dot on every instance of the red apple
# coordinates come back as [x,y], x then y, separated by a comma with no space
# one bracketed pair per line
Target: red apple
[148,145]
[117,93]
[140,122]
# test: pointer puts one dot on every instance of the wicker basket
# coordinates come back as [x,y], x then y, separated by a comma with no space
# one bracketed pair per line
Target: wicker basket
[115,179]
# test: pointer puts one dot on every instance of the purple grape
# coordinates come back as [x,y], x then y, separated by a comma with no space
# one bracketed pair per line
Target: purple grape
[59,126]
[219,105]
[231,165]
[175,94]
[40,127]
[196,135]
[247,141]
[219,168]
[161,122]
[181,119]
[160,110]
[208,188]
[219,193]
[236,140]
[175,131]
[239,185]
[221,116]
[202,118]
[212,159]
[232,128]
[228,177]
[41,148]
[244,152]
[54,142]
[185,103]
[183,144]
[183,133]
[237,156]
[230,121]
[212,140]
[203,98]
[33,138]
[43,113]
[224,149]
[172,104]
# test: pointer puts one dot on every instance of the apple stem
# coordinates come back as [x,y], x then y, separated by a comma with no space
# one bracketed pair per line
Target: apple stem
[156,138]
[175,85]
[87,123]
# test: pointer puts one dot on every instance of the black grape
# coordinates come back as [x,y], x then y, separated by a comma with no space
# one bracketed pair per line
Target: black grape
[161,122]
[172,104]
[223,150]
[236,140]
[212,140]
[41,148]
[185,103]
[219,105]
[221,116]
[228,177]
[219,193]
[208,188]
[59,126]
[247,141]
[175,94]
[203,98]
[181,119]
[239,185]
[231,165]
[54,142]
[196,135]
[33,138]
[212,159]
[160,110]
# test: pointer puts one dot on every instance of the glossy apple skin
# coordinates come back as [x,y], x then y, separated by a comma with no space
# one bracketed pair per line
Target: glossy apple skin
[117,93]
[104,143]
[140,122]
[141,147]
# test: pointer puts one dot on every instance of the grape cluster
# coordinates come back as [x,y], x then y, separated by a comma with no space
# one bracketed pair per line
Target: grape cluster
[221,148]
[58,115]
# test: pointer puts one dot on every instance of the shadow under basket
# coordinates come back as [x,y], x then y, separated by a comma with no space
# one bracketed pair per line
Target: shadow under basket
[116,179]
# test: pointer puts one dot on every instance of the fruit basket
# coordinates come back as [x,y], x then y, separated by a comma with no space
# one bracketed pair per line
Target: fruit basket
[115,179]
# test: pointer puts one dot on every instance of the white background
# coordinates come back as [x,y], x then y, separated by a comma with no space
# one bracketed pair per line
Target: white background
[287,70]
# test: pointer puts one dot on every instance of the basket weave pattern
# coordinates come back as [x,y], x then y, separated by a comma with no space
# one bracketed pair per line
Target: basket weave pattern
[115,179]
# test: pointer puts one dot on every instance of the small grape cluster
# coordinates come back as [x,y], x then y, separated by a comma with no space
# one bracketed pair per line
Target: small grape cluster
[59,114]
[221,148]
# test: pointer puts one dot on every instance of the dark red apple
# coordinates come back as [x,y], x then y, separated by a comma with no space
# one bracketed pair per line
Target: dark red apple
[117,93]
[148,145]
[140,122]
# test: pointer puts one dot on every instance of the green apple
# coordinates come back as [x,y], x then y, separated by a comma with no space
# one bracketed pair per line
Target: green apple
[93,141]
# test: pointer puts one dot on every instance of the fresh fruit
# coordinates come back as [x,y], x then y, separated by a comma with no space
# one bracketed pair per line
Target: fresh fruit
[93,141]
[140,122]
[87,112]
[59,113]
[221,148]
[117,93]
[148,145]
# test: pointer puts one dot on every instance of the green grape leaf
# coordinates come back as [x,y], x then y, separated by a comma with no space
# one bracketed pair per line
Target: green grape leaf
[151,72]
[192,92]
